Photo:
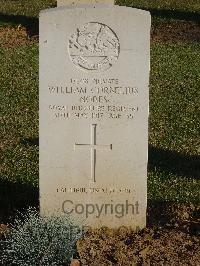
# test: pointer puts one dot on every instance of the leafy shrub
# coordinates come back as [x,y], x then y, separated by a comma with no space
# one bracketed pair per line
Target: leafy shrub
[35,240]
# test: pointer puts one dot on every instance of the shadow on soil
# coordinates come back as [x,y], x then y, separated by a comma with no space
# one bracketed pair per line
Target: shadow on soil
[174,14]
[16,197]
[30,142]
[174,162]
[32,23]
[173,214]
[170,14]
[169,161]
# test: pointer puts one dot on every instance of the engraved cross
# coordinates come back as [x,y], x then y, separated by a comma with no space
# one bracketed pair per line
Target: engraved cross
[93,147]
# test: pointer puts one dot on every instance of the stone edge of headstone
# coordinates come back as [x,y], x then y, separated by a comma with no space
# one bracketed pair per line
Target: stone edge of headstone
[64,3]
[101,6]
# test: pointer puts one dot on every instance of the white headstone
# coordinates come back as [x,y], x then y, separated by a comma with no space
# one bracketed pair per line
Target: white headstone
[94,75]
[83,2]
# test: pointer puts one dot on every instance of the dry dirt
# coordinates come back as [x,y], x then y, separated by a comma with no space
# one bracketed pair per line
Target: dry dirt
[175,32]
[172,32]
[176,241]
[172,238]
[15,36]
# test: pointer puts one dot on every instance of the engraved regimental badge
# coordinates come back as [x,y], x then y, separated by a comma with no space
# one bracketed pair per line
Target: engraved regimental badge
[94,47]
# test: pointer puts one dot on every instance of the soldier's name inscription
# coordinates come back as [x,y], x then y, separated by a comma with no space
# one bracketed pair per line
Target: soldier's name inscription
[95,99]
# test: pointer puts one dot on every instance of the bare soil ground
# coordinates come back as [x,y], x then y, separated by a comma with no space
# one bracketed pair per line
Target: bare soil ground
[15,36]
[175,242]
[172,32]
[172,237]
[175,32]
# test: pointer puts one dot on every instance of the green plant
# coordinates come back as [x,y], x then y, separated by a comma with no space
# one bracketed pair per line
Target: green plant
[35,240]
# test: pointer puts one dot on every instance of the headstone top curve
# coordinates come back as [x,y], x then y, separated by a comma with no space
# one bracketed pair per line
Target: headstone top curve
[99,7]
[83,2]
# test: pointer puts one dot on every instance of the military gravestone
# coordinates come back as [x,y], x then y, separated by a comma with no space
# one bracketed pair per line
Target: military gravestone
[94,75]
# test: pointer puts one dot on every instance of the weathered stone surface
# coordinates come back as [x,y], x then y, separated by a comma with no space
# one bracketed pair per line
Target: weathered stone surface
[82,2]
[94,75]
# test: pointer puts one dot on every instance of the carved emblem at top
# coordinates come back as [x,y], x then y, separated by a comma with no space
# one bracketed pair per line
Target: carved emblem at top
[94,47]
